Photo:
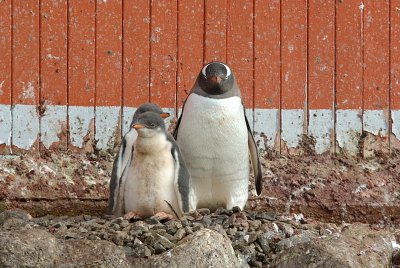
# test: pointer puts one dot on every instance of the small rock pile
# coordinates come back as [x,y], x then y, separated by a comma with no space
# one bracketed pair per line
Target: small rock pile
[256,236]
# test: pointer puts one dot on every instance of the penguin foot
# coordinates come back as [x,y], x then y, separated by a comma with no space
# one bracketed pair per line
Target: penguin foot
[132,216]
[163,216]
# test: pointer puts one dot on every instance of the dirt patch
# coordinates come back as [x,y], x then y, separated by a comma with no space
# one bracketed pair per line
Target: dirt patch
[323,187]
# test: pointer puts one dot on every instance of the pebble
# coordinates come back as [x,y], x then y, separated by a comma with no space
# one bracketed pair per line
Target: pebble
[255,236]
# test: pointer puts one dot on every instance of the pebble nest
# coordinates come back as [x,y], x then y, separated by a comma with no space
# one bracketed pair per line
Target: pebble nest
[256,236]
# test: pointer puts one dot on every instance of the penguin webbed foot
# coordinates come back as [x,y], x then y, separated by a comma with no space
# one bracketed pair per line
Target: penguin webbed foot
[132,216]
[163,216]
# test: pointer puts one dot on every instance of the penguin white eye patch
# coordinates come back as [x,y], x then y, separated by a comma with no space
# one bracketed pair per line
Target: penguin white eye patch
[228,70]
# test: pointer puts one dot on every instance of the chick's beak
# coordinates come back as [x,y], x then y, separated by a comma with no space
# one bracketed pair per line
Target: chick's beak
[137,126]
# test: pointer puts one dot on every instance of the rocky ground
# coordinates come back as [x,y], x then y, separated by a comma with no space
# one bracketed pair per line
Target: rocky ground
[233,238]
[309,204]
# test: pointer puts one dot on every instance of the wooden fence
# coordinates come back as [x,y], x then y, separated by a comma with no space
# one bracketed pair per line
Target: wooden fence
[323,73]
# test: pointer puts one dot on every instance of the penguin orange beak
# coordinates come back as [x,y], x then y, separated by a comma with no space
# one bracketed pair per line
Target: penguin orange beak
[216,79]
[164,115]
[137,126]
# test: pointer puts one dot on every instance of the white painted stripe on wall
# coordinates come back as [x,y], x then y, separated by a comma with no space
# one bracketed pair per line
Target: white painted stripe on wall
[127,116]
[266,122]
[348,129]
[80,118]
[5,124]
[249,115]
[396,123]
[171,112]
[374,122]
[292,126]
[52,121]
[320,127]
[106,125]
[25,129]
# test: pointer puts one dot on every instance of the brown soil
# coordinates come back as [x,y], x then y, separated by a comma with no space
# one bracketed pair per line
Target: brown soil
[322,187]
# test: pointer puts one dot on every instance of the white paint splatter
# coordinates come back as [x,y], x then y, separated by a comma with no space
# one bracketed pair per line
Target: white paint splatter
[49,56]
[28,91]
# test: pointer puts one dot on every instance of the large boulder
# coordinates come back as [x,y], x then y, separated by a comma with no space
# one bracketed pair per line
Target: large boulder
[356,246]
[39,248]
[204,248]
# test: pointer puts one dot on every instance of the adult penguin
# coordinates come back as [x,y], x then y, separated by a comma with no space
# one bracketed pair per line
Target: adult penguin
[215,138]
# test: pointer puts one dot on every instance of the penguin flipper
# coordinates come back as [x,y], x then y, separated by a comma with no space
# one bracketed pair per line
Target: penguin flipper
[255,160]
[119,172]
[182,182]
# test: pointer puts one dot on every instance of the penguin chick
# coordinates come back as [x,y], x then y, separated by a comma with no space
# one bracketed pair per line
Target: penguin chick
[157,178]
[216,140]
[123,160]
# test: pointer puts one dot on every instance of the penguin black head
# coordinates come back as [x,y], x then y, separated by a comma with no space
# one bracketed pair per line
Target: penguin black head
[148,107]
[216,78]
[149,124]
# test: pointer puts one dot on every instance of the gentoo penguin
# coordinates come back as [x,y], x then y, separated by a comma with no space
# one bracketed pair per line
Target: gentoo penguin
[215,140]
[123,160]
[157,181]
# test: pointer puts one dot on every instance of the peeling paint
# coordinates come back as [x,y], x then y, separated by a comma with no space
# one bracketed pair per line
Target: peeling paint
[292,126]
[5,122]
[266,123]
[348,130]
[79,120]
[25,128]
[1,88]
[52,121]
[28,91]
[106,125]
[320,127]
[396,123]
[374,122]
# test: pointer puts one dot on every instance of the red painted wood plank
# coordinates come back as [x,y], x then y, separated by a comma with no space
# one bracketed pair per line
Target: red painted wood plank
[108,53]
[5,52]
[376,54]
[163,53]
[395,54]
[348,55]
[321,54]
[26,52]
[53,56]
[136,51]
[240,46]
[294,66]
[215,30]
[267,54]
[190,45]
[81,53]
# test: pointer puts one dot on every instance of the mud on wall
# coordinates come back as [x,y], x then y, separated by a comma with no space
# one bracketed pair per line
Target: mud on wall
[72,72]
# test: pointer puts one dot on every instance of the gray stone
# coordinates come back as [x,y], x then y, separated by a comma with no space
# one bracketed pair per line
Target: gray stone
[357,246]
[205,248]
[38,248]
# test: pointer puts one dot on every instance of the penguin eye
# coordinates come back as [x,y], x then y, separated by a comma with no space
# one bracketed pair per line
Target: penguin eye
[152,125]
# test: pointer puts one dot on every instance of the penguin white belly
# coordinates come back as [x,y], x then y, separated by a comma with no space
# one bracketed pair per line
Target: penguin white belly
[151,181]
[213,139]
